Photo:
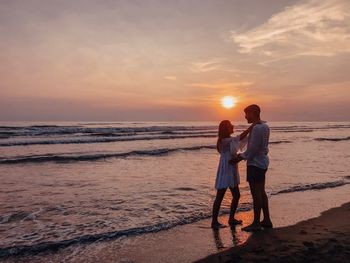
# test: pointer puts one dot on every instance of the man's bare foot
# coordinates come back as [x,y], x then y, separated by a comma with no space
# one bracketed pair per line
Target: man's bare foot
[216,225]
[266,224]
[252,228]
[233,222]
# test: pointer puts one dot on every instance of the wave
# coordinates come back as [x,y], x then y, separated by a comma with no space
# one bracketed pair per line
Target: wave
[68,157]
[112,134]
[337,126]
[109,128]
[302,130]
[93,157]
[333,139]
[6,252]
[101,140]
[190,132]
[17,216]
[279,142]
[308,128]
[315,186]
[42,130]
[185,189]
[91,238]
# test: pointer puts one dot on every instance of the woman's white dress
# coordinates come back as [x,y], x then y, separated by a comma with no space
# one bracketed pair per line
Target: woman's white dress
[227,174]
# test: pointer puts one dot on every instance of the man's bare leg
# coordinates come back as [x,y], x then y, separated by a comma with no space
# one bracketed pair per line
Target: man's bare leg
[255,189]
[266,222]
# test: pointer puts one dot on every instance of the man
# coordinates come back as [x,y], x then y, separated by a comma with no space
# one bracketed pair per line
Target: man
[257,164]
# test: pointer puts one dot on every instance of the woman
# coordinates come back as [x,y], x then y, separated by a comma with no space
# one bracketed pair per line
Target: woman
[227,174]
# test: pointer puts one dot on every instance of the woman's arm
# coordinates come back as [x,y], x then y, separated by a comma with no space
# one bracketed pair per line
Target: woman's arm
[246,132]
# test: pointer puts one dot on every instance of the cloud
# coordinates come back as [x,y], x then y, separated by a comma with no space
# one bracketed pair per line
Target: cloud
[222,85]
[209,65]
[170,78]
[312,28]
[217,64]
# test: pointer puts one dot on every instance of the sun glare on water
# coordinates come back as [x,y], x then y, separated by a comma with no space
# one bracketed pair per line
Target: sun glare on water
[228,102]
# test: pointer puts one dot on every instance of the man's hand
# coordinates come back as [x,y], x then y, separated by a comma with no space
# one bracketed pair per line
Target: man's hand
[235,160]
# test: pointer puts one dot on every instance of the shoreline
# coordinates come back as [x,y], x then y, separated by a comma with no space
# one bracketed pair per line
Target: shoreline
[322,239]
[196,241]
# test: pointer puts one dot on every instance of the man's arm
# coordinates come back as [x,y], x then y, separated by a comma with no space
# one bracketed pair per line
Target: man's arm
[252,147]
[255,141]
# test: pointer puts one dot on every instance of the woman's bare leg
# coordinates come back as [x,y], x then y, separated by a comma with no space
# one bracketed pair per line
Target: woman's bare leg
[216,206]
[234,204]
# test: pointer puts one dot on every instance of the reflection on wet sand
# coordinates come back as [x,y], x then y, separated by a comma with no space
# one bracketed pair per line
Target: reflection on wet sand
[238,237]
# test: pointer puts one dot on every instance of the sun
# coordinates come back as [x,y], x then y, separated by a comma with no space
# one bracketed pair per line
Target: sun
[228,102]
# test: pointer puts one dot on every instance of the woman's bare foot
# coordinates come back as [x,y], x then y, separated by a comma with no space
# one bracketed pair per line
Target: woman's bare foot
[233,222]
[252,227]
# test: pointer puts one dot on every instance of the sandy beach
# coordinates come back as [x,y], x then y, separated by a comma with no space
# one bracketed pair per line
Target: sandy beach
[322,239]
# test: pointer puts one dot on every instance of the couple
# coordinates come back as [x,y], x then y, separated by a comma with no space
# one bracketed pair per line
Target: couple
[257,164]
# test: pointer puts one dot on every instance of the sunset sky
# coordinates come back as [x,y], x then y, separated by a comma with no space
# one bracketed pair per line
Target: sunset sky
[174,60]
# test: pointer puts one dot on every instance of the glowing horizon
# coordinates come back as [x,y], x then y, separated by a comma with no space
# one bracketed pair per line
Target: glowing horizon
[161,60]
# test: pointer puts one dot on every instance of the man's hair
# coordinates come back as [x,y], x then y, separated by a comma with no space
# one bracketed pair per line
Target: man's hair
[254,109]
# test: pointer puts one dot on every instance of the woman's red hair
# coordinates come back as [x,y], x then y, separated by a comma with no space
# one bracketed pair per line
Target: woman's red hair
[223,132]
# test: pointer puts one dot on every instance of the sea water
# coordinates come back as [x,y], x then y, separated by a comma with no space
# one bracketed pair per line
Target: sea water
[68,183]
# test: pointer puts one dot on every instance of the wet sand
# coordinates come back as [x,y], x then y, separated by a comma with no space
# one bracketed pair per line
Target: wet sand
[322,239]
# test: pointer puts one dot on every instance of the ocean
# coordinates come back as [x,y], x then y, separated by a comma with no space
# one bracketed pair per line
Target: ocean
[66,183]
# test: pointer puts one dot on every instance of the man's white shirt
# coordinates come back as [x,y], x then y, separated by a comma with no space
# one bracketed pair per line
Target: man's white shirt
[258,146]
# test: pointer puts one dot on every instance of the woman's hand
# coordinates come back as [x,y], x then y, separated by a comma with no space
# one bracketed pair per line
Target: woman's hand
[251,127]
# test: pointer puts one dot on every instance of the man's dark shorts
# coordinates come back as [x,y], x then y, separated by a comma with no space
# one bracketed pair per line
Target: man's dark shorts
[255,174]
